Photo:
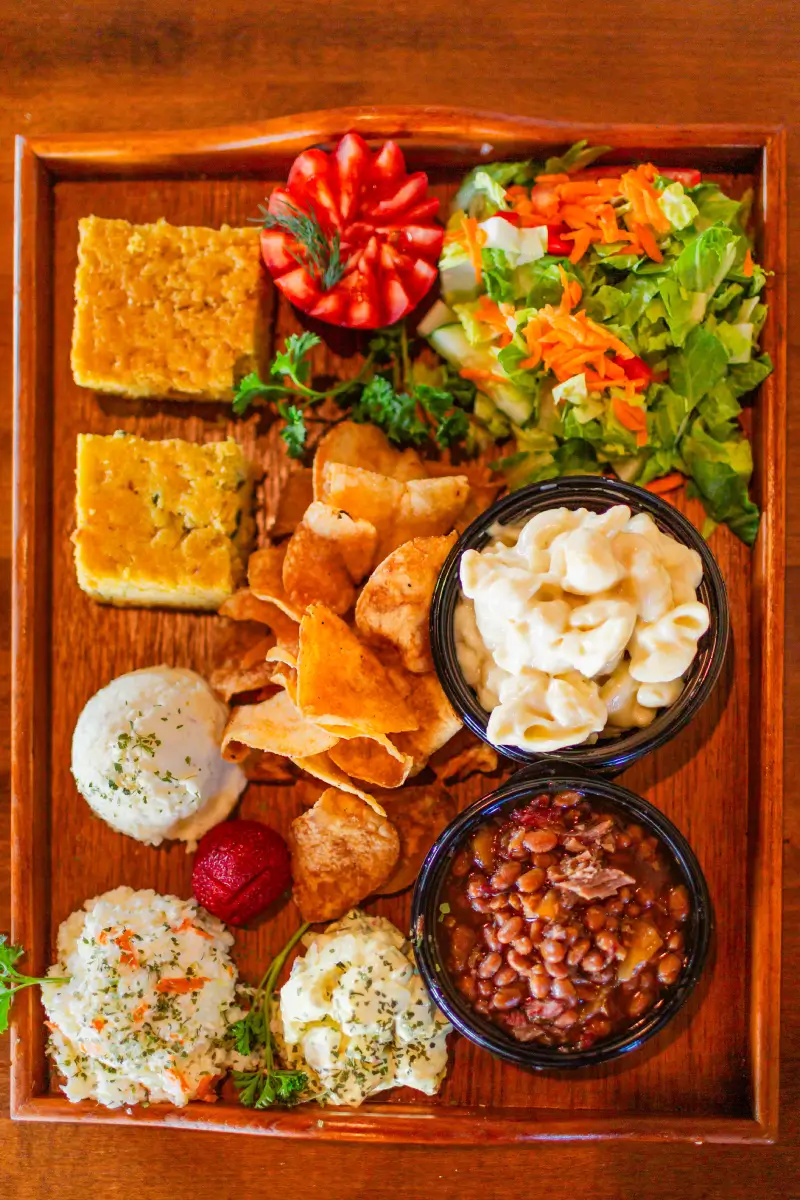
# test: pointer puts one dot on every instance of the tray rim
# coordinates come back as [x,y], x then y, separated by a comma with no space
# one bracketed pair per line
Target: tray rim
[44,161]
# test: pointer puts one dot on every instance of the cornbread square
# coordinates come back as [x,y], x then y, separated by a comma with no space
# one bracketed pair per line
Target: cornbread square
[166,523]
[167,311]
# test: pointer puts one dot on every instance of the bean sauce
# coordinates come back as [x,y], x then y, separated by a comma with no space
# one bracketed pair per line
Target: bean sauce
[565,923]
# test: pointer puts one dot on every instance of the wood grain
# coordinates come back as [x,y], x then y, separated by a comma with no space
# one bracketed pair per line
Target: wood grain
[110,65]
[712,1066]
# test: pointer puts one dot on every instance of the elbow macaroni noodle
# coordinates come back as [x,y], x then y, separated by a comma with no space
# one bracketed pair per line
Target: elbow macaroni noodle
[577,625]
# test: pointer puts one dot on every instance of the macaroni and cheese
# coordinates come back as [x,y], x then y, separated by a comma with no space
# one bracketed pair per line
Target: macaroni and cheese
[577,625]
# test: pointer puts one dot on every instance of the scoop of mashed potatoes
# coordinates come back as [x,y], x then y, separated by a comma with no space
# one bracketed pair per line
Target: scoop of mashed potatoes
[149,998]
[146,756]
[356,1017]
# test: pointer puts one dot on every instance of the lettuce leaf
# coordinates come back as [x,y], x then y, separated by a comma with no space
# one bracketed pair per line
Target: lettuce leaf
[684,310]
[742,379]
[475,196]
[705,260]
[701,363]
[713,207]
[721,471]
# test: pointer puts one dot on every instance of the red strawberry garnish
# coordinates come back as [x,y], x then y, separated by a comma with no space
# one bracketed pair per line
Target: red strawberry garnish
[240,867]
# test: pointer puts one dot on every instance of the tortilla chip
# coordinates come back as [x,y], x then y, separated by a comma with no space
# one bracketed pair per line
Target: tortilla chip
[341,852]
[352,445]
[364,495]
[243,673]
[265,576]
[278,726]
[477,474]
[367,759]
[295,497]
[322,767]
[394,607]
[262,767]
[481,497]
[314,573]
[282,654]
[427,508]
[409,465]
[286,677]
[244,606]
[436,721]
[452,764]
[419,814]
[342,683]
[355,539]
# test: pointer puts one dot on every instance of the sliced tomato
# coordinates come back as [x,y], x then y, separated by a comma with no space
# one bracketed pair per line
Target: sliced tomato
[556,243]
[636,368]
[388,242]
[688,176]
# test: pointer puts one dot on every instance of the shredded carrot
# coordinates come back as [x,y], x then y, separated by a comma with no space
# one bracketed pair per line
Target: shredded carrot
[648,243]
[128,957]
[667,483]
[474,238]
[634,419]
[99,1023]
[52,1027]
[179,986]
[204,1089]
[186,923]
[139,1012]
[496,315]
[580,243]
[182,1080]
[747,267]
[102,937]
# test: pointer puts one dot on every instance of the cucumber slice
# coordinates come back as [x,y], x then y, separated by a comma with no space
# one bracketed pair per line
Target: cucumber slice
[458,282]
[512,401]
[438,315]
[452,343]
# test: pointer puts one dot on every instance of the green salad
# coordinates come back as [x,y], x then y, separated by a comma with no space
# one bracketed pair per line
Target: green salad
[609,318]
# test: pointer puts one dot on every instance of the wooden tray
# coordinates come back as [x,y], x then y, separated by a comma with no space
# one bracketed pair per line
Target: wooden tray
[713,1074]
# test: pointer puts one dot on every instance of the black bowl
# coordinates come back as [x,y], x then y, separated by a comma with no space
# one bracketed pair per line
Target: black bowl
[551,775]
[615,754]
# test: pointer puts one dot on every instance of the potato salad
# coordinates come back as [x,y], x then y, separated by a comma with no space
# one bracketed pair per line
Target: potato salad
[355,1015]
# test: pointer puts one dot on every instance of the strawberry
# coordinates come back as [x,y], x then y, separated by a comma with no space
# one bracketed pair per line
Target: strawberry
[239,869]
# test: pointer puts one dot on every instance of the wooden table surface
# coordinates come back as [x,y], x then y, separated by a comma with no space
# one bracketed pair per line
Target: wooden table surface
[113,65]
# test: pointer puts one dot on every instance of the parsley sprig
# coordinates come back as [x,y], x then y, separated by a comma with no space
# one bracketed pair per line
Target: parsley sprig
[293,395]
[387,392]
[320,254]
[267,1084]
[12,981]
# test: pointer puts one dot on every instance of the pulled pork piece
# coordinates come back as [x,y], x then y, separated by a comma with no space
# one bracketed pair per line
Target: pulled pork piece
[585,875]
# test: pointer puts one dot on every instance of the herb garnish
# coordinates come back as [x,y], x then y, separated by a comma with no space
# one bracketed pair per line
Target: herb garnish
[12,981]
[389,391]
[318,253]
[267,1084]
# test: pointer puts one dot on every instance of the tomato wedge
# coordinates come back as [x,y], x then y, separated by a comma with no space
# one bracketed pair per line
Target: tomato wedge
[351,239]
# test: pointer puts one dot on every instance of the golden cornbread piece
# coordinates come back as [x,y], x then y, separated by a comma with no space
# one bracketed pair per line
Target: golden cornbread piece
[162,522]
[168,311]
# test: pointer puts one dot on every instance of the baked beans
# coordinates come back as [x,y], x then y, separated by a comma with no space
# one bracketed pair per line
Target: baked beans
[565,923]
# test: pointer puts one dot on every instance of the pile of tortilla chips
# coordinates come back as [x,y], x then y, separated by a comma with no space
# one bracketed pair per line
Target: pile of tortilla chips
[358,704]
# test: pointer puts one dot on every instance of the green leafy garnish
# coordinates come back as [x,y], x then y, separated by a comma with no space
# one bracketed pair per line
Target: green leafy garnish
[320,254]
[266,1084]
[293,394]
[12,981]
[386,392]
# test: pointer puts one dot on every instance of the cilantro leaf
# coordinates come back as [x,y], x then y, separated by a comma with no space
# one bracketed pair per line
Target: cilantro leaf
[266,1084]
[393,412]
[293,360]
[12,981]
[252,388]
[294,432]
